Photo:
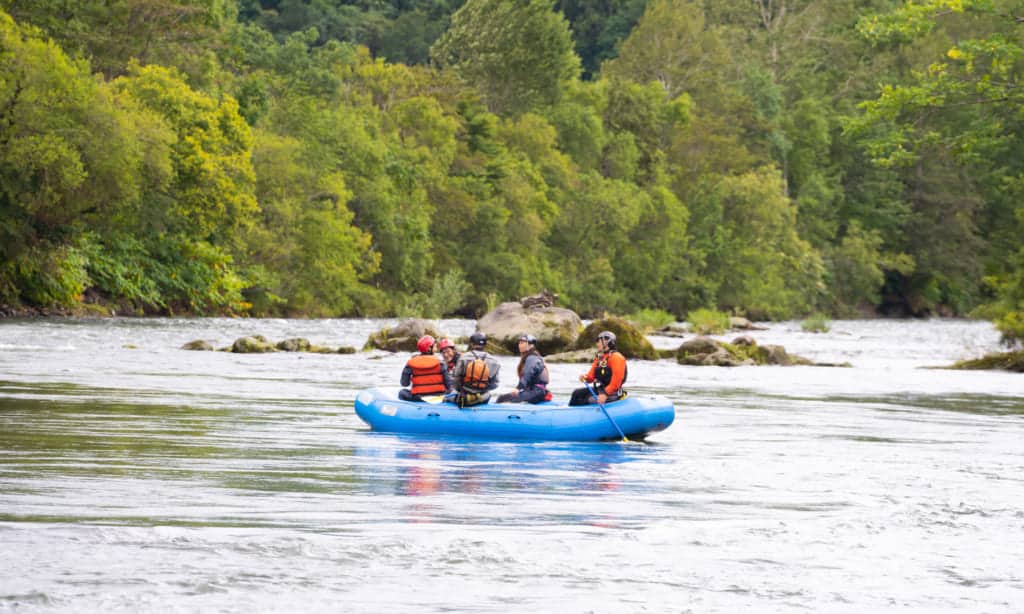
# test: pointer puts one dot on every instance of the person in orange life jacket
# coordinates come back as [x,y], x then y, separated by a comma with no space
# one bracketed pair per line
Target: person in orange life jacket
[425,372]
[450,355]
[607,374]
[533,375]
[467,391]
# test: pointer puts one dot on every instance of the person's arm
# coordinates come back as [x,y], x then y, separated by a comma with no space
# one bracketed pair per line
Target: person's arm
[494,366]
[406,375]
[538,371]
[460,370]
[589,375]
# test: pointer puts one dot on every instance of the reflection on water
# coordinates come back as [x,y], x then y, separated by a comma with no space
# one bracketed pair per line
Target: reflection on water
[472,466]
[149,478]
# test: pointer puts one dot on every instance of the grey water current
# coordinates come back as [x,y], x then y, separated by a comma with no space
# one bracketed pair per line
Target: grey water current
[136,476]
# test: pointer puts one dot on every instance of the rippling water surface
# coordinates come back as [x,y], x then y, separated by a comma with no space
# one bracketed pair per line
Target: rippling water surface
[135,476]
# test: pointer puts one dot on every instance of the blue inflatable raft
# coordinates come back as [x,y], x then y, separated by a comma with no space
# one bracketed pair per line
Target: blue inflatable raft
[549,421]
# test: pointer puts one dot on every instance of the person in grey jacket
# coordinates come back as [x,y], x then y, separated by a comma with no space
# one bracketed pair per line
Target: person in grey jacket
[533,375]
[470,385]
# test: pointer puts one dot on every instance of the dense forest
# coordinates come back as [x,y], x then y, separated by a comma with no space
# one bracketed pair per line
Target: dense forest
[772,158]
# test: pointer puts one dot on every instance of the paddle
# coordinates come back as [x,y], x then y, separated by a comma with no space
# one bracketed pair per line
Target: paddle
[606,414]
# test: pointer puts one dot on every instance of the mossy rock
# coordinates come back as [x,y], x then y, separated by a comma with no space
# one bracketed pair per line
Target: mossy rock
[1004,361]
[707,352]
[629,340]
[743,351]
[297,344]
[256,344]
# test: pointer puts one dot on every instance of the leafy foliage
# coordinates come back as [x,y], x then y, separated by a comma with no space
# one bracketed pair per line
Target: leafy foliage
[298,157]
[520,54]
[708,321]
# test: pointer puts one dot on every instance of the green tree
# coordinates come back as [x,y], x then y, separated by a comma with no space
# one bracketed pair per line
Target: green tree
[747,231]
[957,114]
[599,27]
[519,54]
[210,196]
[72,152]
[314,257]
[111,33]
[672,46]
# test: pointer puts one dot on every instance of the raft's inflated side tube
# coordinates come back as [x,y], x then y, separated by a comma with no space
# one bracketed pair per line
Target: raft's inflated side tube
[548,421]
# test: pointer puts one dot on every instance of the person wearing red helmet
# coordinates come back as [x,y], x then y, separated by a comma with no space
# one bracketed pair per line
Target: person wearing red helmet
[424,373]
[449,354]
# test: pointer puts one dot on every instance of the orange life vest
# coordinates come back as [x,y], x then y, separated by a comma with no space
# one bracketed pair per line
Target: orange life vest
[427,376]
[477,375]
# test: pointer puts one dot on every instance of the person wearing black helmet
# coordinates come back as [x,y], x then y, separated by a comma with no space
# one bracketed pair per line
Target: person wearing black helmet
[476,374]
[607,374]
[533,375]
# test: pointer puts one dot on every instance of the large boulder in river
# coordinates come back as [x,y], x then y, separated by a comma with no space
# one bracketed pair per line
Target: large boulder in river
[629,340]
[555,328]
[401,337]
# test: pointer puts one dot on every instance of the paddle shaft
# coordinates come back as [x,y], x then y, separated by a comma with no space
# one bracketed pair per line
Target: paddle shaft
[606,414]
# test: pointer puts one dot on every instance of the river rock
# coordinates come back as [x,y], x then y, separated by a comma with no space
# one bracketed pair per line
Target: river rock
[296,344]
[743,351]
[738,323]
[555,328]
[401,337]
[256,344]
[698,345]
[628,339]
[673,330]
[706,352]
[199,345]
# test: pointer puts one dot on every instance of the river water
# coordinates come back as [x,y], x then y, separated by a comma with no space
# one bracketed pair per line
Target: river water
[136,476]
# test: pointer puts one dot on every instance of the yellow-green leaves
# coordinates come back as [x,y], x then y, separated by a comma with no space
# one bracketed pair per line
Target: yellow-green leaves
[211,193]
